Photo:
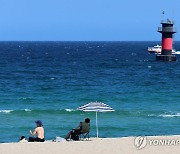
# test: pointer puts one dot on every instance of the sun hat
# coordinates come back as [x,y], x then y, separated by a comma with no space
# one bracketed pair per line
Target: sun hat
[39,122]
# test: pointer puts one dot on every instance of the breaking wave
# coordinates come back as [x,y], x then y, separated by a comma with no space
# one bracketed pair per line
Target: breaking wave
[6,111]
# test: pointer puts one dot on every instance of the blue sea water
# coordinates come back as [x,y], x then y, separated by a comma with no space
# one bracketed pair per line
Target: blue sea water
[49,80]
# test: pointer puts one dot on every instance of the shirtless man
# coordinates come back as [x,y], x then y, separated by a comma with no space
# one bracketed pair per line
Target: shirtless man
[39,131]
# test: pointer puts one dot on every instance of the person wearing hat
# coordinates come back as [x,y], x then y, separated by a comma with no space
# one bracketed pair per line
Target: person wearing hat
[39,131]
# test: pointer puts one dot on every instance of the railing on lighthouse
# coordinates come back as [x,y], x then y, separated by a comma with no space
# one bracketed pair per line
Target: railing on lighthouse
[167,29]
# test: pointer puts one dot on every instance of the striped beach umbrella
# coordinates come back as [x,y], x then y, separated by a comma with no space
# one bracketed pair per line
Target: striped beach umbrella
[96,107]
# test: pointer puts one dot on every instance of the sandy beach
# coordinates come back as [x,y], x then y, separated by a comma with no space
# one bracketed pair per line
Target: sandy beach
[124,145]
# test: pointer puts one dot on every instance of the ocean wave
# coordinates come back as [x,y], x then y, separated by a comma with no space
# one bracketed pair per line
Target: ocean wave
[121,113]
[49,111]
[169,115]
[165,115]
[25,98]
[27,110]
[70,110]
[6,111]
[9,111]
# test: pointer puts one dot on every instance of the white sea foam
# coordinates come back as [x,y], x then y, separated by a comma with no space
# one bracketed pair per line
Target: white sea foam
[165,115]
[27,110]
[169,115]
[24,98]
[69,110]
[6,111]
[151,115]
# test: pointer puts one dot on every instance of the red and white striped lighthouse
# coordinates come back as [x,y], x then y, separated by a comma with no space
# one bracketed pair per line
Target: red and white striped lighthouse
[167,30]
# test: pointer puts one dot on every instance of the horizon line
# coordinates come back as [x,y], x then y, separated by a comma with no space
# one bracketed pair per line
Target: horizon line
[81,41]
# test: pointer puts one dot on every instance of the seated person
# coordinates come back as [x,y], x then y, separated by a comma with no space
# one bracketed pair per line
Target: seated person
[82,128]
[39,131]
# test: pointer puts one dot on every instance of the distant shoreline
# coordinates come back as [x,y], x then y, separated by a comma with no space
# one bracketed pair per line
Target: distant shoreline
[76,41]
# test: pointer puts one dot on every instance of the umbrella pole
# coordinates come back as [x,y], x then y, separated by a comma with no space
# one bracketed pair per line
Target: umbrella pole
[96,125]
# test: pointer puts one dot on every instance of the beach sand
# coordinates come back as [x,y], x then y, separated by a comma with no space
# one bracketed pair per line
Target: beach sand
[124,145]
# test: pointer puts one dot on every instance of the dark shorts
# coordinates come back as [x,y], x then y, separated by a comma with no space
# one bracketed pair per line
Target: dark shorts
[75,134]
[32,139]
